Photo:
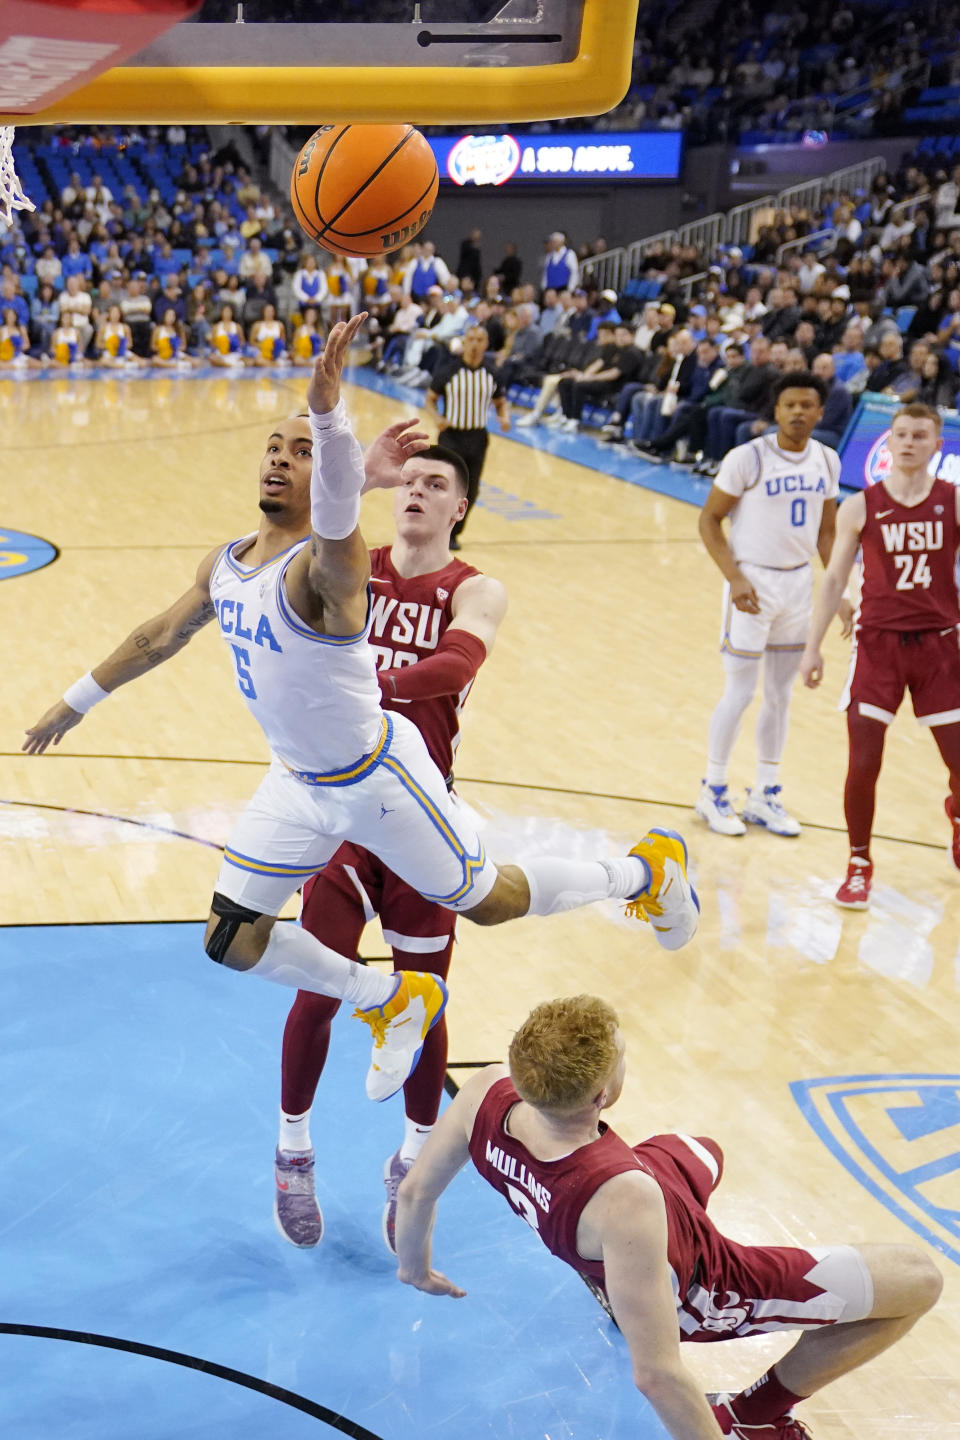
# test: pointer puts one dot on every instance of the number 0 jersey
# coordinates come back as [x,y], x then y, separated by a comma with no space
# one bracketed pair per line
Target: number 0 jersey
[780,495]
[315,697]
[909,561]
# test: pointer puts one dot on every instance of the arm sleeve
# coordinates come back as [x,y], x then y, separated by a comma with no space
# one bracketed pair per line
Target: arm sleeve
[457,659]
[739,471]
[338,476]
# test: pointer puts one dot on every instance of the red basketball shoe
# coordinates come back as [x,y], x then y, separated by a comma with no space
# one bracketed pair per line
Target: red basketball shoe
[854,893]
[788,1427]
[955,826]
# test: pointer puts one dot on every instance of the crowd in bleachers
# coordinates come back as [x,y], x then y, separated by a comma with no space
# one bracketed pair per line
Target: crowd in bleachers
[150,250]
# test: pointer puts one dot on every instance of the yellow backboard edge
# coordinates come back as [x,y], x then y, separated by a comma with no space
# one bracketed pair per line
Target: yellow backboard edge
[591,84]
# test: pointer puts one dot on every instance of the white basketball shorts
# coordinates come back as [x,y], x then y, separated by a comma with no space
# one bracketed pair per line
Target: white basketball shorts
[393,802]
[783,622]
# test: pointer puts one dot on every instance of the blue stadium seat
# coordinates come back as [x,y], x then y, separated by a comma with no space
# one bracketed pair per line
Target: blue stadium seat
[903,317]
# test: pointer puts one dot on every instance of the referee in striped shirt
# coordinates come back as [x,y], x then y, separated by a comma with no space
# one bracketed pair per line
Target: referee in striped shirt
[467,384]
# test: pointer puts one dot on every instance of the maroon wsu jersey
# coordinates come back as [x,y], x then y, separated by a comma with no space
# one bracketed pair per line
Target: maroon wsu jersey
[551,1195]
[407,619]
[909,561]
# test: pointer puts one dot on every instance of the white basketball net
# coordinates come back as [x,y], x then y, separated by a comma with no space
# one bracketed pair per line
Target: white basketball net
[11,194]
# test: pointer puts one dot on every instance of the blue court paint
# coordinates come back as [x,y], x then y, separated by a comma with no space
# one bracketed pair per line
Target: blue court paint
[140,1086]
[20,553]
[852,1115]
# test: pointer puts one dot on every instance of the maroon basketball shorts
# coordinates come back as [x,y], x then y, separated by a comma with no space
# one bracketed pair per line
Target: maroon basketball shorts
[353,888]
[738,1290]
[886,663]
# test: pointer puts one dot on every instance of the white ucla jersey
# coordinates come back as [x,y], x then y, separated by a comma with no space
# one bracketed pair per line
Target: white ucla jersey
[780,495]
[315,697]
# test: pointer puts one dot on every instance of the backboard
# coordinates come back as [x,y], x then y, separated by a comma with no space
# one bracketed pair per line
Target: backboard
[495,61]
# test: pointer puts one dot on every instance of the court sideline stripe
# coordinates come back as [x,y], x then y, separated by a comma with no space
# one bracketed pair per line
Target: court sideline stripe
[461,779]
[194,1362]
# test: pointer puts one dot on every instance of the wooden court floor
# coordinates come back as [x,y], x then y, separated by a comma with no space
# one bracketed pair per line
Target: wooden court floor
[587,725]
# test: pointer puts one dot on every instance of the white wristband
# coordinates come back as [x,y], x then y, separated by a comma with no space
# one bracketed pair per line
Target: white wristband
[84,693]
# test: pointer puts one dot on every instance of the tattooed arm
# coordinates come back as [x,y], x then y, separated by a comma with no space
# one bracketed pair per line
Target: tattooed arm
[147,646]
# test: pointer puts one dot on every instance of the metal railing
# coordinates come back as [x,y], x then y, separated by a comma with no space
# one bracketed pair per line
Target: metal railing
[613,268]
[649,245]
[906,209]
[740,219]
[808,242]
[686,285]
[705,234]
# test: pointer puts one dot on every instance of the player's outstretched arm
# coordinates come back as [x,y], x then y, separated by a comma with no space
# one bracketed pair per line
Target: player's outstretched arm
[851,518]
[147,646]
[479,605]
[629,1215]
[446,1152]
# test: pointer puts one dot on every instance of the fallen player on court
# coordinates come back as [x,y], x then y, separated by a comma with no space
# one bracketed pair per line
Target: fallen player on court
[632,1221]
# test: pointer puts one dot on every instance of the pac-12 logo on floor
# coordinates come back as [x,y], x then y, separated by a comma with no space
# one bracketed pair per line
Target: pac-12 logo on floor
[899,1137]
[21,553]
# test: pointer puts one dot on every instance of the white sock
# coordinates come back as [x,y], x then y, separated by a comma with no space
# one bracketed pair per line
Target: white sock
[779,672]
[767,775]
[558,885]
[294,1132]
[741,682]
[300,961]
[414,1138]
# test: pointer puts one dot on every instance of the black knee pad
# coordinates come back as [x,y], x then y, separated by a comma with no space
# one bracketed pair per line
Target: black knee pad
[232,916]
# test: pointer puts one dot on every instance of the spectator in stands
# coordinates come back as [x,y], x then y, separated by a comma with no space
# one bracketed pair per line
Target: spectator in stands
[426,272]
[808,271]
[260,294]
[892,364]
[707,372]
[453,321]
[490,318]
[48,267]
[72,193]
[938,383]
[406,318]
[470,260]
[653,408]
[754,398]
[605,308]
[11,299]
[907,384]
[622,365]
[833,318]
[848,356]
[551,312]
[76,304]
[255,262]
[171,297]
[783,313]
[649,326]
[44,317]
[508,272]
[569,358]
[421,337]
[137,312]
[521,348]
[907,284]
[199,317]
[75,261]
[561,268]
[837,406]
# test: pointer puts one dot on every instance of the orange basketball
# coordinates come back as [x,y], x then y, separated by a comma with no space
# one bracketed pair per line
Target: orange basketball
[364,189]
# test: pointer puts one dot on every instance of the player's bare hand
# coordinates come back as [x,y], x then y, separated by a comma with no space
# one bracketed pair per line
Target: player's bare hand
[433,1283]
[51,728]
[442,424]
[393,447]
[323,392]
[845,615]
[811,668]
[504,421]
[744,596]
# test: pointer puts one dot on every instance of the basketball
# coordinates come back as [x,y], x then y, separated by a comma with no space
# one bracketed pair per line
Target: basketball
[364,189]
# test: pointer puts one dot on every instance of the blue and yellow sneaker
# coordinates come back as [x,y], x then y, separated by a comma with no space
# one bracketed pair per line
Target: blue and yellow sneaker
[669,902]
[400,1027]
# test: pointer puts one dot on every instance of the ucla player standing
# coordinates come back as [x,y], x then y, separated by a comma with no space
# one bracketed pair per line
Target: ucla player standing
[293,605]
[780,492]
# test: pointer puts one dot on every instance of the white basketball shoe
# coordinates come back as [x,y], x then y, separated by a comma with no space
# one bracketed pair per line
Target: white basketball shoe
[764,808]
[714,806]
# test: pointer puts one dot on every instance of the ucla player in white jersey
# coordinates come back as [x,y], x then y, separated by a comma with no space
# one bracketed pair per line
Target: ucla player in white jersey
[293,606]
[780,494]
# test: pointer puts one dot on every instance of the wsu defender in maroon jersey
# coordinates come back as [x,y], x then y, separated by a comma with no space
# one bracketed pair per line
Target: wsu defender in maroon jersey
[633,1222]
[906,630]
